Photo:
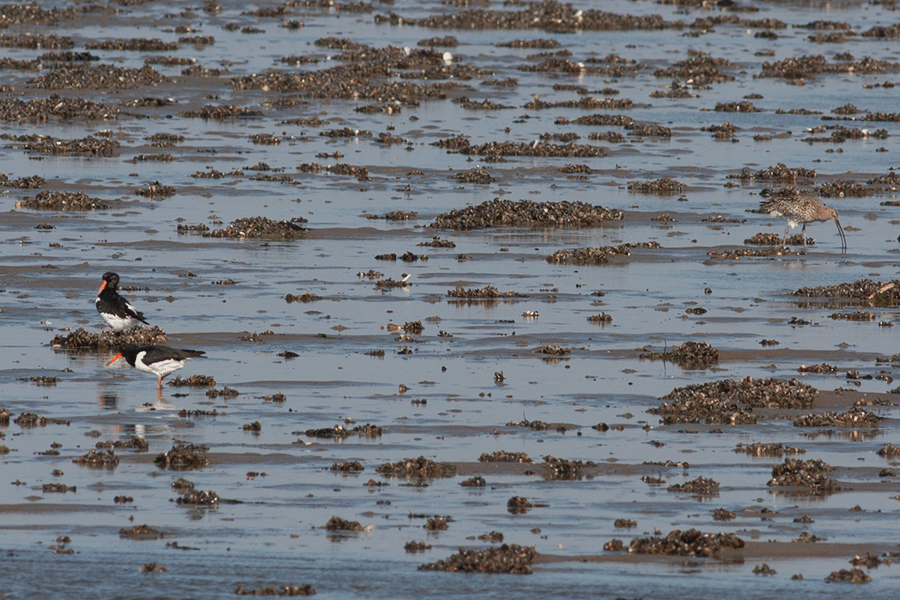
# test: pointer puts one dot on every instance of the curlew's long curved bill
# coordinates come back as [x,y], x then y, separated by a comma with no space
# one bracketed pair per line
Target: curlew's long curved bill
[843,237]
[114,359]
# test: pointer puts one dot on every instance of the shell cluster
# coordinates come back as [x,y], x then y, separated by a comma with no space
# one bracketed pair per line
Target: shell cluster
[508,558]
[526,213]
[417,467]
[681,543]
[810,476]
[81,339]
[183,457]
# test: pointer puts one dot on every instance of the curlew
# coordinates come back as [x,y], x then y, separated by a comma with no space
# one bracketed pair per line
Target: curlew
[802,209]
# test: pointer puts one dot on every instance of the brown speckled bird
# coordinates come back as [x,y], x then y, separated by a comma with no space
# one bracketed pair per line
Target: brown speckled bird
[802,209]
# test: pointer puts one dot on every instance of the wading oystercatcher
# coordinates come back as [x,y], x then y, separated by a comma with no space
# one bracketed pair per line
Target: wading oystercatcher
[118,313]
[162,361]
[802,209]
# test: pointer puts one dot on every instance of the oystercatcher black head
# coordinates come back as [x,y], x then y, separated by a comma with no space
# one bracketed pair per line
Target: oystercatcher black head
[161,361]
[118,313]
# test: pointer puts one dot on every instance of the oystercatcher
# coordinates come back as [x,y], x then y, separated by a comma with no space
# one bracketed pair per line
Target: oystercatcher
[118,313]
[162,361]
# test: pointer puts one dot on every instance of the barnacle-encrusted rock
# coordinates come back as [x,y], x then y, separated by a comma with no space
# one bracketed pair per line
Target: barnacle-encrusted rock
[98,459]
[526,213]
[730,401]
[664,186]
[53,200]
[587,256]
[772,449]
[193,381]
[810,476]
[854,417]
[417,467]
[81,339]
[689,355]
[348,466]
[141,532]
[339,524]
[683,543]
[508,558]
[199,498]
[183,457]
[700,486]
[560,469]
[135,443]
[305,589]
[875,292]
[488,293]
[260,227]
[504,456]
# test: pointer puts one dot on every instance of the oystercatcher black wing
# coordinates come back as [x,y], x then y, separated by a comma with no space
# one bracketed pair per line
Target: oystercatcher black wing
[161,361]
[118,313]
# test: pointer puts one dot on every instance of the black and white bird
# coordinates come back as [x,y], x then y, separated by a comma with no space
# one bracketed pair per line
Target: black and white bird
[118,313]
[159,360]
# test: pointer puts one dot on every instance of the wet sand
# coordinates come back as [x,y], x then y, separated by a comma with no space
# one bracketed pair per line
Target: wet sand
[366,142]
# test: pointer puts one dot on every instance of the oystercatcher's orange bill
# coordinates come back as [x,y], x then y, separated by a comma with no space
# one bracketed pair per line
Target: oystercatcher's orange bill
[114,359]
[102,287]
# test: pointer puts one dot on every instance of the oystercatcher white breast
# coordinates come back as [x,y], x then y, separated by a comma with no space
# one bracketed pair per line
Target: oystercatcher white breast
[118,313]
[159,360]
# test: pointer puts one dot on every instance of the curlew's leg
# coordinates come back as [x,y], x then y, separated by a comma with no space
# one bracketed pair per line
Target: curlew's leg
[786,230]
[804,236]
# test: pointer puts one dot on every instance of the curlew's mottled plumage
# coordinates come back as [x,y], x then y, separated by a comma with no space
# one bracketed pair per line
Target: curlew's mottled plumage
[802,209]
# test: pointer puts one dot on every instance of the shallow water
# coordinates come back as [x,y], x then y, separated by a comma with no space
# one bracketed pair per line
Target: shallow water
[274,535]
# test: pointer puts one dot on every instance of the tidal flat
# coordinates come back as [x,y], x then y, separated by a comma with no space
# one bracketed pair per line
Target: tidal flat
[488,303]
